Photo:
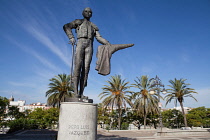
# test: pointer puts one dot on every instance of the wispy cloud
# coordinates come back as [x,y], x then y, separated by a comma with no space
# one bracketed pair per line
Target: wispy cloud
[146,69]
[185,57]
[44,73]
[202,95]
[21,84]
[41,36]
[149,68]
[118,70]
[35,54]
[202,98]
[36,24]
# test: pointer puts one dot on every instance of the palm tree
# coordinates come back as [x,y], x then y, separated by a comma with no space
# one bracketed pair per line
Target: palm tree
[59,89]
[179,90]
[144,102]
[114,95]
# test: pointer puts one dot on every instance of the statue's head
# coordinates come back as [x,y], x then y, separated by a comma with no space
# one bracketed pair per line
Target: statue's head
[87,13]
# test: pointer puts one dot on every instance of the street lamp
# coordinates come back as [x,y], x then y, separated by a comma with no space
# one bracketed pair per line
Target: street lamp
[158,87]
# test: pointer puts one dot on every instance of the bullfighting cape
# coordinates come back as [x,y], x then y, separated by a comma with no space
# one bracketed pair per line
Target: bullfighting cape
[104,55]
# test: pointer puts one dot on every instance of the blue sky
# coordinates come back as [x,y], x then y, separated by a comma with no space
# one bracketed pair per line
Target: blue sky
[171,37]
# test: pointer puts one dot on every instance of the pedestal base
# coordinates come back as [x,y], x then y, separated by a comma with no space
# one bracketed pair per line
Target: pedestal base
[77,121]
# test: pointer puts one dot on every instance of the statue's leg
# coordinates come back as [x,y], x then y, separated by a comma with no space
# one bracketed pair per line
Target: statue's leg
[86,66]
[82,79]
[79,57]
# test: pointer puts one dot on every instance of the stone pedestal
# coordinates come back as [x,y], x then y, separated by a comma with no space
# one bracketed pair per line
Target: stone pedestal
[77,121]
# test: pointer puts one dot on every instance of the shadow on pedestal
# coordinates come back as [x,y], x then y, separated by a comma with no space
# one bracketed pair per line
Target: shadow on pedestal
[77,99]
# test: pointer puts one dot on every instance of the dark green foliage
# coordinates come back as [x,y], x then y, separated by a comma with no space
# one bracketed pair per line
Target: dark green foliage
[113,117]
[152,120]
[38,115]
[22,124]
[3,104]
[124,126]
[103,116]
[14,113]
[51,117]
[38,118]
[199,117]
[172,118]
[132,117]
[45,118]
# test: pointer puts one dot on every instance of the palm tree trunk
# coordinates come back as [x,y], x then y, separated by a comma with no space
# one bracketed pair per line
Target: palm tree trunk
[119,119]
[145,120]
[119,123]
[185,119]
[145,117]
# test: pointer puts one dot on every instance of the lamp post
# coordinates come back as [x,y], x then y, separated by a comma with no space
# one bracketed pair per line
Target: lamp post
[159,87]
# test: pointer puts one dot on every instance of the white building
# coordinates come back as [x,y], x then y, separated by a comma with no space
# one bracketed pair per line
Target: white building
[33,106]
[17,103]
[21,104]
[186,109]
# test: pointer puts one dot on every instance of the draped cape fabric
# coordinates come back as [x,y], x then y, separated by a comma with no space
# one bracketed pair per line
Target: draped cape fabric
[104,55]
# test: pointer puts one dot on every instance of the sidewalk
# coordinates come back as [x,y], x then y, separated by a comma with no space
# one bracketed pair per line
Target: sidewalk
[132,134]
[43,134]
[149,135]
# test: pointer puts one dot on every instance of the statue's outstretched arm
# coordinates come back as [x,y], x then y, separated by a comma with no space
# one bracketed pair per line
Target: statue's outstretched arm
[100,39]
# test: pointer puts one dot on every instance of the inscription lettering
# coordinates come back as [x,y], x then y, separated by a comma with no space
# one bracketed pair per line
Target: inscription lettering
[79,133]
[84,127]
[79,130]
[73,126]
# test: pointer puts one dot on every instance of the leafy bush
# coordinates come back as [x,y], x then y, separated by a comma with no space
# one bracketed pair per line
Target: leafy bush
[124,126]
[21,124]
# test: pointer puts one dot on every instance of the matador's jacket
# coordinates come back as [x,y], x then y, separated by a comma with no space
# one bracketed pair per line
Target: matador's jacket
[84,29]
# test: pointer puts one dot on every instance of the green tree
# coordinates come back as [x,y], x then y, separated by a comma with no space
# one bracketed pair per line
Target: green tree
[115,95]
[135,118]
[39,118]
[38,115]
[199,117]
[127,118]
[113,118]
[4,102]
[14,113]
[207,121]
[152,119]
[22,123]
[51,117]
[59,89]
[179,90]
[103,116]
[144,102]
[27,112]
[172,118]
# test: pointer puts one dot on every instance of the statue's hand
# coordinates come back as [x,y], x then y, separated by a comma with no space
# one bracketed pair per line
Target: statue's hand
[73,41]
